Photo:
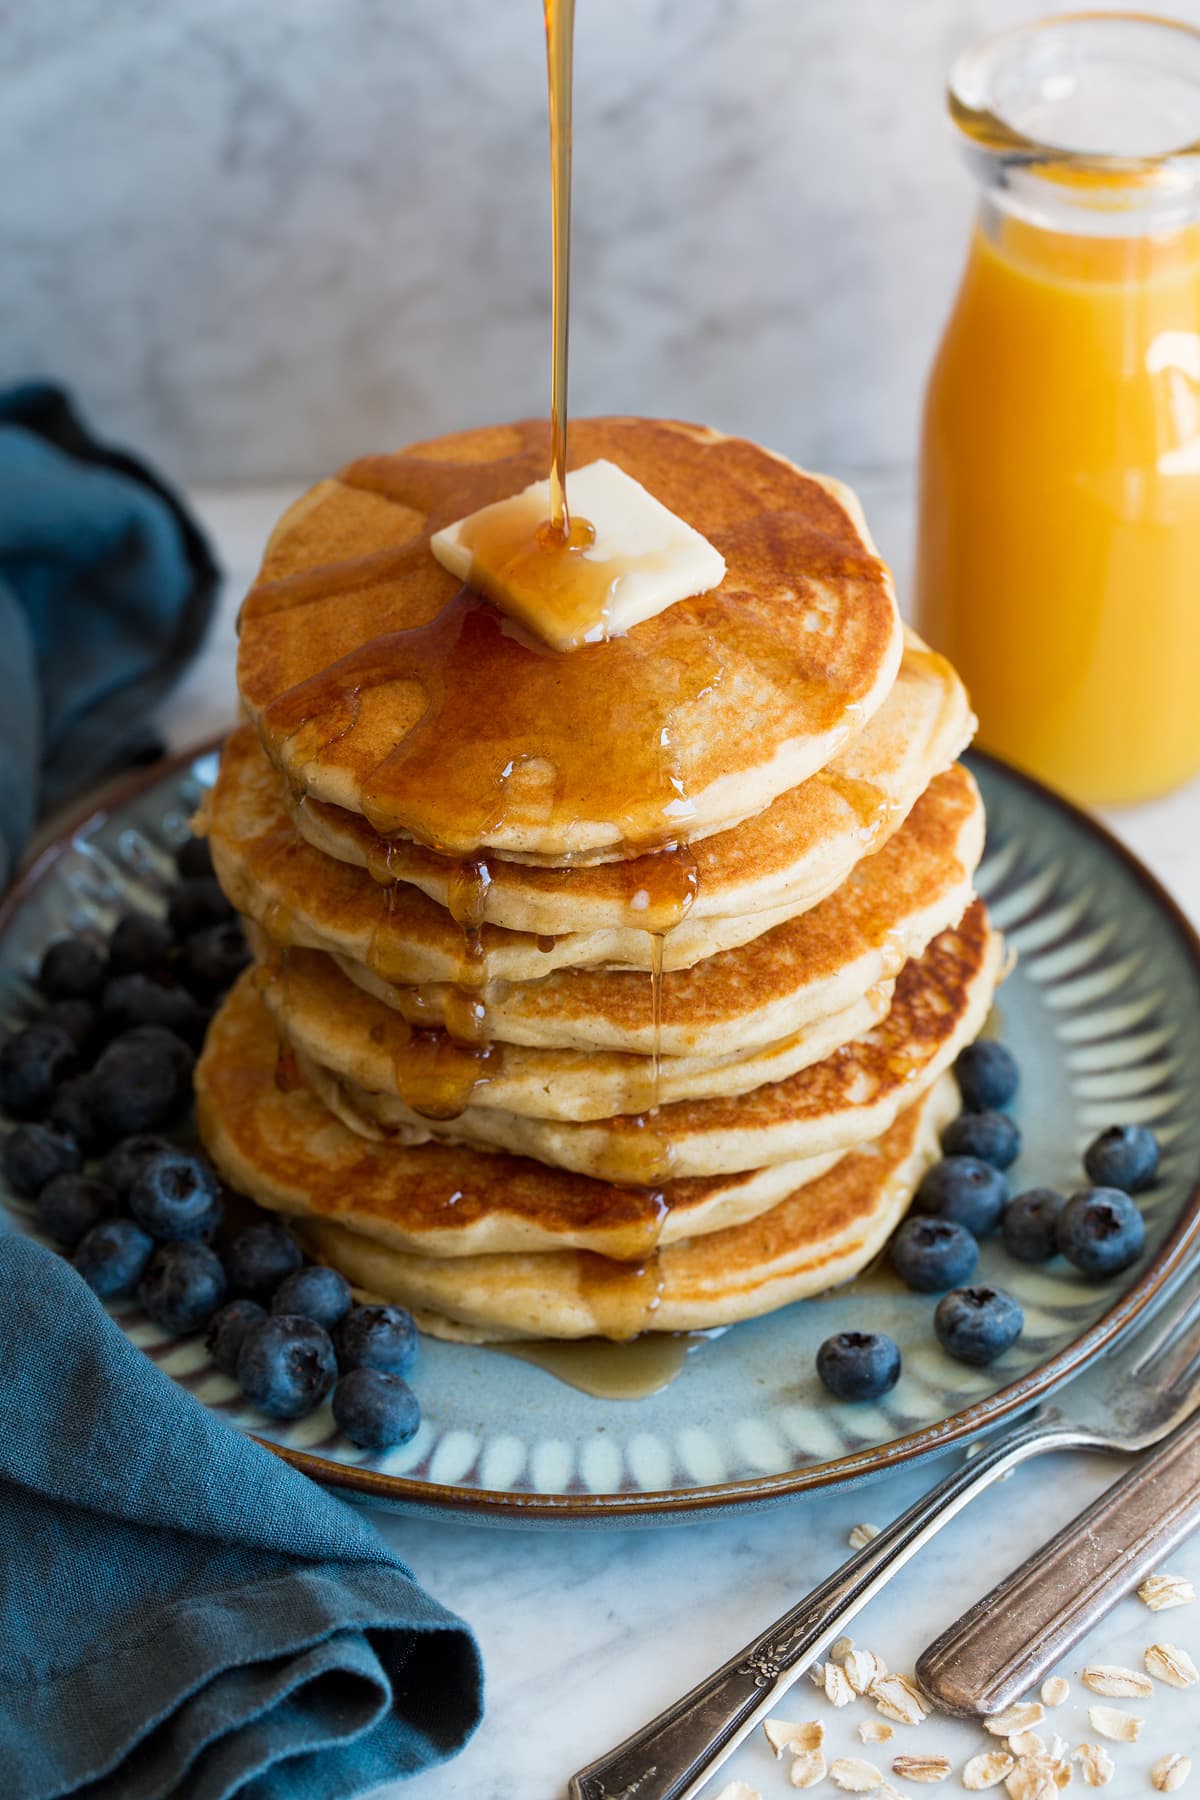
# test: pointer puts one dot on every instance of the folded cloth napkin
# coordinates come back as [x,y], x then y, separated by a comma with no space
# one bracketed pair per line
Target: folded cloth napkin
[181,1614]
[106,586]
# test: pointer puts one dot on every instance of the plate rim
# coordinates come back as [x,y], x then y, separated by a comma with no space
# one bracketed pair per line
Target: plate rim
[669,1505]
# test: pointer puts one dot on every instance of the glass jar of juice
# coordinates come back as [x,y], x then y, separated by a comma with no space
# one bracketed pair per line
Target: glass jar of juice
[1058,559]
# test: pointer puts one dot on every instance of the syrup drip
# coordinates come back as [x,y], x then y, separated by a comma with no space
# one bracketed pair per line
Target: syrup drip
[287,1070]
[622,1297]
[560,50]
[436,1076]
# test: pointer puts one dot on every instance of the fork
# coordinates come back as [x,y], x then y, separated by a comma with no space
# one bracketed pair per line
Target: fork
[1145,1386]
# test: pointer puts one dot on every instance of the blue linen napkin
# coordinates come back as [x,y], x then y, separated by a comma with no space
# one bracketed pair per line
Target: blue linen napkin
[181,1614]
[106,587]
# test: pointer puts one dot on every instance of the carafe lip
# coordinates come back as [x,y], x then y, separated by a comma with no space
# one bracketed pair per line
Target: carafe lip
[1093,117]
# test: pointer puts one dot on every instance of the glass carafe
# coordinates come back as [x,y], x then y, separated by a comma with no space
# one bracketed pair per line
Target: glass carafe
[1058,559]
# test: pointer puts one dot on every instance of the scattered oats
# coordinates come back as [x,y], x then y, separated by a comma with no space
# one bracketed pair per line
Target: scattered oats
[861,1535]
[1027,1743]
[1117,1683]
[922,1768]
[737,1790]
[841,1648]
[781,1736]
[1031,1779]
[838,1691]
[854,1776]
[1095,1765]
[1170,1772]
[808,1769]
[1057,1749]
[1021,1717]
[888,1792]
[863,1669]
[1119,1727]
[1160,1592]
[874,1731]
[987,1770]
[1167,1662]
[897,1698]
[816,1674]
[1055,1690]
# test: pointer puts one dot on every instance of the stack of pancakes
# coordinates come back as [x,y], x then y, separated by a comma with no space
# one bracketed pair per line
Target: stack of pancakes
[600,992]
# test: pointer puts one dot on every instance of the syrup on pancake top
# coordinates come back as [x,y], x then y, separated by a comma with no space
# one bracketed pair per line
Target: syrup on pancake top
[380,683]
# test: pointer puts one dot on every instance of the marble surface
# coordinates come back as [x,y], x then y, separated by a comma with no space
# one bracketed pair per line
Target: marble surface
[587,1634]
[261,239]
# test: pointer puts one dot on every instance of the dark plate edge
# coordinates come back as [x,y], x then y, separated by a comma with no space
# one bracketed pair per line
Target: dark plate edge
[959,1428]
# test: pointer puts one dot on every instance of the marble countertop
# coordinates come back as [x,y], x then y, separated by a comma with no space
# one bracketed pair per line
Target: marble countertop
[587,1634]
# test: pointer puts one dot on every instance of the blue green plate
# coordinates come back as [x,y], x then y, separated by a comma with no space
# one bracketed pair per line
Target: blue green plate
[1103,1012]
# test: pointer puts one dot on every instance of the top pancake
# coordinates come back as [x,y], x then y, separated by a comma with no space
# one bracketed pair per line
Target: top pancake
[379,685]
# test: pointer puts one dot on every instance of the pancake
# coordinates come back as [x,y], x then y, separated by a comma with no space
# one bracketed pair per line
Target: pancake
[283,1148]
[792,854]
[405,936]
[940,1004]
[331,1020]
[378,684]
[782,983]
[821,1235]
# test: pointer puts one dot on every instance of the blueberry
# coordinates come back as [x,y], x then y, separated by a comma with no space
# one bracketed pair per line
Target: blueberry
[375,1410]
[183,1286]
[32,1064]
[377,1337]
[140,1082]
[1124,1156]
[122,1166]
[987,1075]
[193,860]
[314,1292]
[931,1255]
[72,969]
[966,1190]
[1101,1231]
[212,960]
[140,945]
[176,1195]
[34,1155]
[133,1000]
[112,1257]
[977,1324]
[79,1019]
[69,1205]
[197,905]
[991,1137]
[70,1113]
[259,1258]
[859,1365]
[286,1365]
[227,1328]
[1030,1224]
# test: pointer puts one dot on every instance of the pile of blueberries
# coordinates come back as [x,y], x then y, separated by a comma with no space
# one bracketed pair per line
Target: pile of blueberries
[964,1198]
[96,1078]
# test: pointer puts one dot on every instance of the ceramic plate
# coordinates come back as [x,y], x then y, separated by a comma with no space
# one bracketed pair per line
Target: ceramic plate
[1103,1012]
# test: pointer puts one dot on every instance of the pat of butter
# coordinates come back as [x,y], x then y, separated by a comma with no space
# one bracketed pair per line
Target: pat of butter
[627,559]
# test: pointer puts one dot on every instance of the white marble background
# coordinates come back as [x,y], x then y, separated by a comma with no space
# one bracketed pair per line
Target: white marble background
[261,239]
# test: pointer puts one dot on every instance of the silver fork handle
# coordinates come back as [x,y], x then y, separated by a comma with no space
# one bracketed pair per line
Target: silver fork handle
[1008,1640]
[672,1757]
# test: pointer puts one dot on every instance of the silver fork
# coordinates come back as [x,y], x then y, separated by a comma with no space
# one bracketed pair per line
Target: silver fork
[1135,1396]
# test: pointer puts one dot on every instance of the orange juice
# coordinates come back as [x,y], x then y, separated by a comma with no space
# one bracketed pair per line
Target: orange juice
[1058,560]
